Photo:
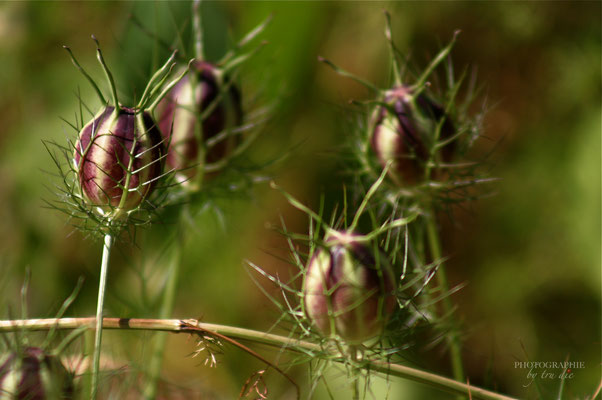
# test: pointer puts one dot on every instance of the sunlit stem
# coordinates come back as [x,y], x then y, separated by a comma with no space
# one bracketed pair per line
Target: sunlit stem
[234,63]
[195,100]
[88,77]
[347,74]
[24,290]
[419,85]
[161,73]
[392,50]
[453,339]
[355,384]
[88,348]
[158,87]
[302,207]
[198,30]
[66,304]
[129,171]
[245,40]
[167,88]
[169,294]
[104,267]
[388,226]
[371,191]
[251,35]
[109,77]
[283,343]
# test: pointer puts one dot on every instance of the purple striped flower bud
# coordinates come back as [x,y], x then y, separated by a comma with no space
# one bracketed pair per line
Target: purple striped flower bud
[347,291]
[34,375]
[119,158]
[404,135]
[180,111]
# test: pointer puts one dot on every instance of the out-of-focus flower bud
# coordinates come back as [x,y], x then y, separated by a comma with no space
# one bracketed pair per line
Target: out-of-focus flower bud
[119,158]
[347,290]
[181,110]
[404,133]
[34,375]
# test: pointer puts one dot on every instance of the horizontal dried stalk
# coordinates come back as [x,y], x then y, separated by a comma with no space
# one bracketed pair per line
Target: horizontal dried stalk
[283,342]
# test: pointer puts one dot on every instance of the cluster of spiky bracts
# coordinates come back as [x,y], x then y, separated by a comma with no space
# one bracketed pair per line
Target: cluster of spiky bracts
[130,161]
[350,289]
[123,152]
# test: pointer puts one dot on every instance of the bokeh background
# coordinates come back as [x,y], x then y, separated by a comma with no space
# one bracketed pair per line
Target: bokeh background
[529,256]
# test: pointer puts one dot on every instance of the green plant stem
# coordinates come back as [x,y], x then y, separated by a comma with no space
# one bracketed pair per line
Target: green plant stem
[104,268]
[453,339]
[198,30]
[277,341]
[88,350]
[355,385]
[167,305]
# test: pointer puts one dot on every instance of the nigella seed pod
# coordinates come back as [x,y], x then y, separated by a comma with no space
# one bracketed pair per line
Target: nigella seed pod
[119,154]
[34,375]
[404,133]
[181,110]
[347,290]
[118,158]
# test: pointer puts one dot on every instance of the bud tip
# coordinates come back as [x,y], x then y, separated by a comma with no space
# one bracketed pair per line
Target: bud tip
[95,41]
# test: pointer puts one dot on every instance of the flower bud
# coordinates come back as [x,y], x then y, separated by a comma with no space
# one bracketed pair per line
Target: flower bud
[118,158]
[405,134]
[347,290]
[179,112]
[34,375]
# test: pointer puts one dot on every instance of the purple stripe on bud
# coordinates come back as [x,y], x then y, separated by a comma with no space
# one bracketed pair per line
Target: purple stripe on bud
[179,114]
[398,136]
[118,158]
[348,291]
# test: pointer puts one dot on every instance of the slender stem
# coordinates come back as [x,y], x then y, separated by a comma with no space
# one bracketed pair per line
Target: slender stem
[167,304]
[392,50]
[367,197]
[344,73]
[129,171]
[277,341]
[419,85]
[109,77]
[453,339]
[198,30]
[201,115]
[88,350]
[355,384]
[300,206]
[88,77]
[166,89]
[244,41]
[104,267]
[165,69]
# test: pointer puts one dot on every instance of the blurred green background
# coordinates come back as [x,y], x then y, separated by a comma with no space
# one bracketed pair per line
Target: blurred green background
[530,255]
